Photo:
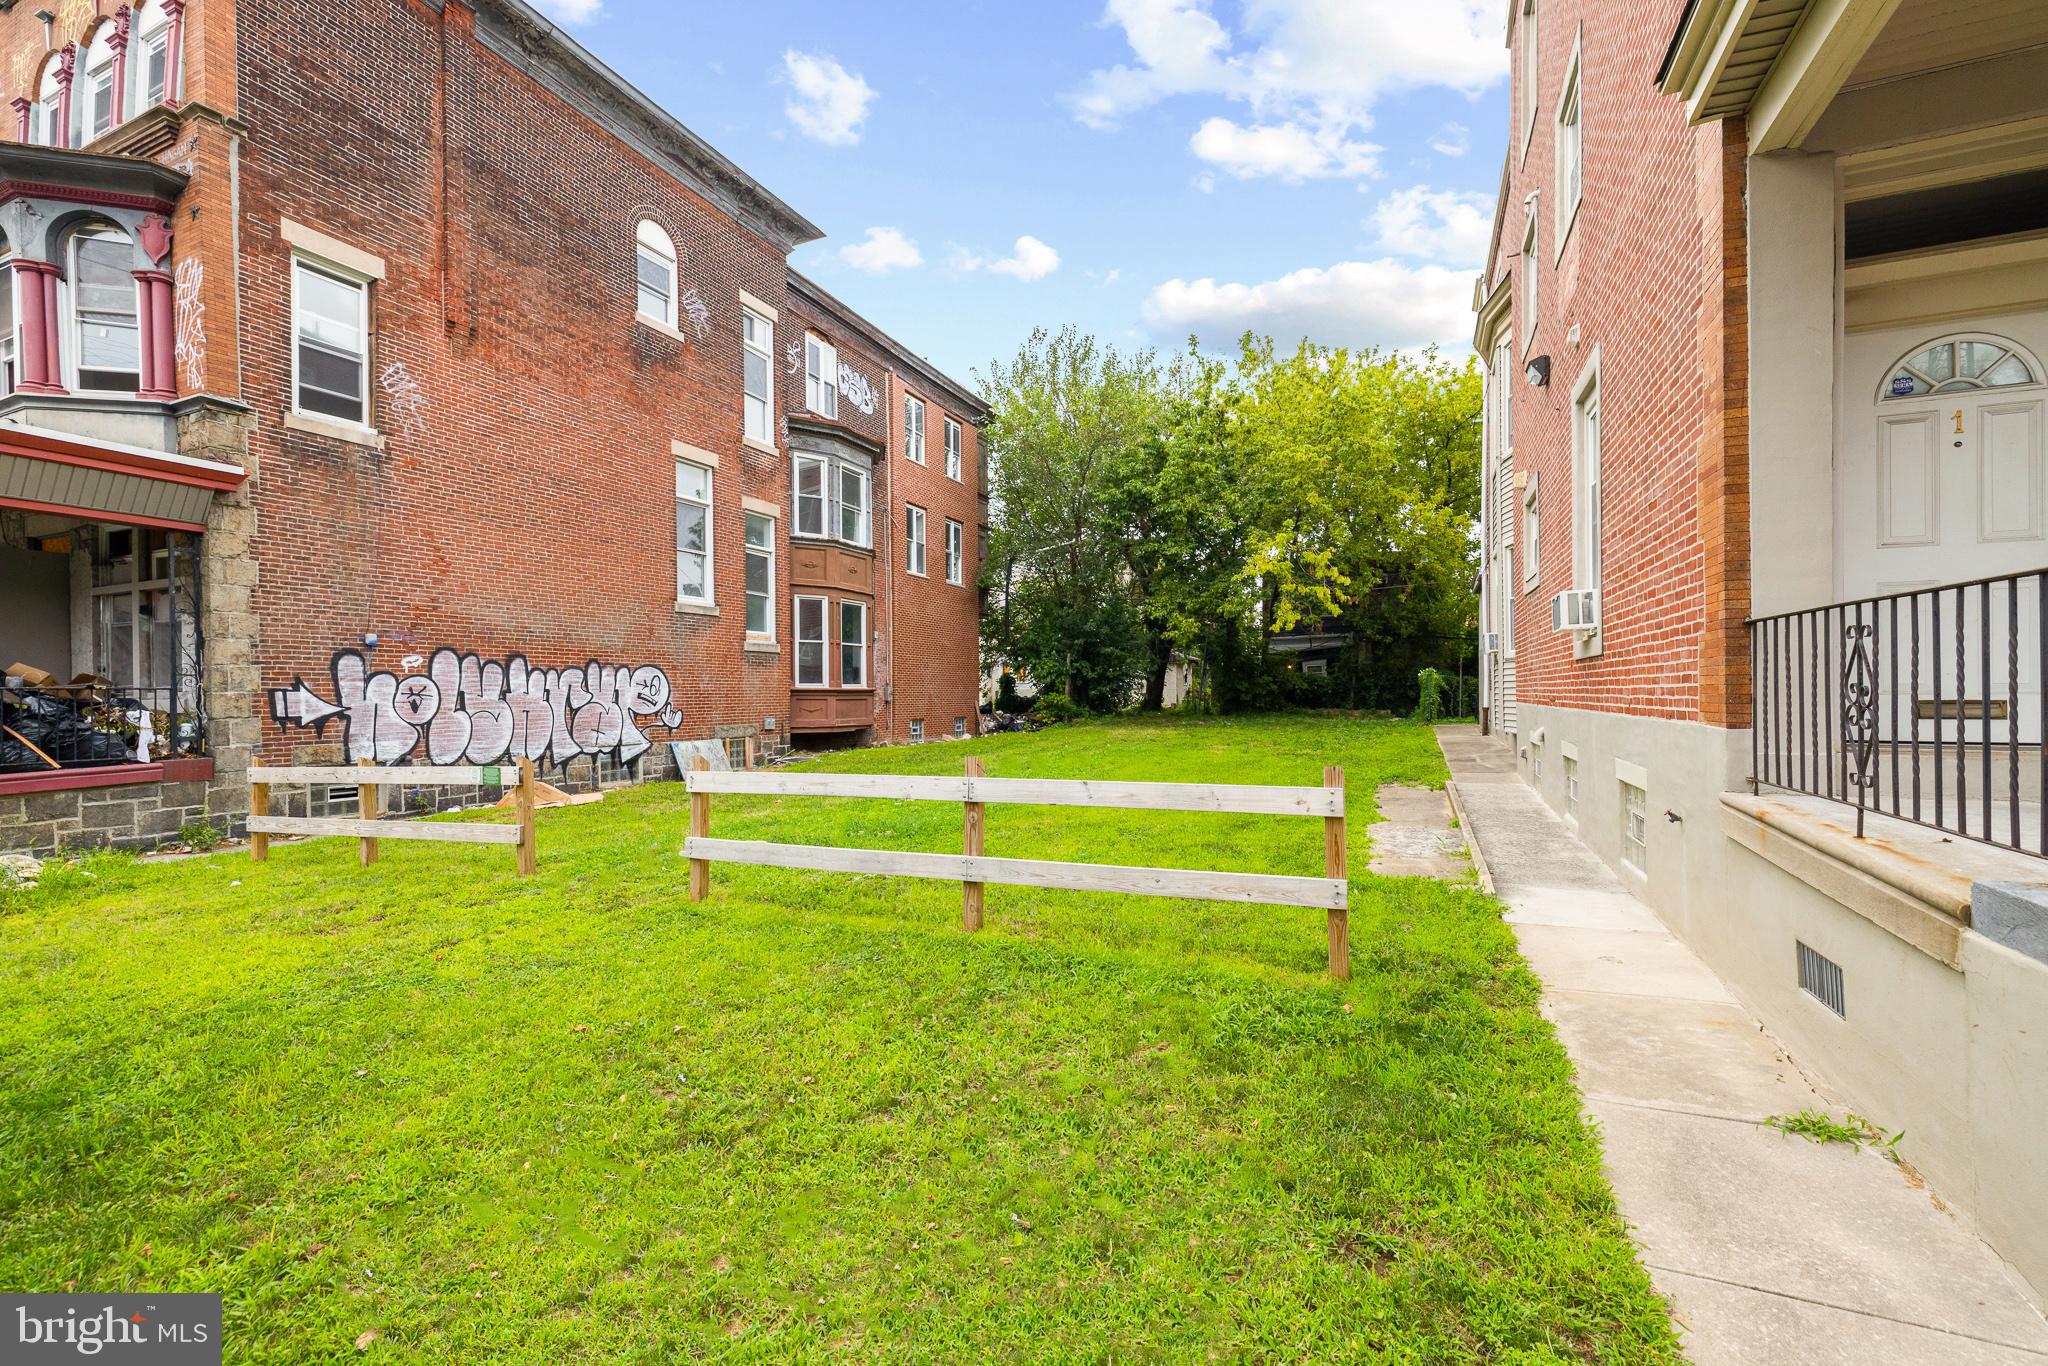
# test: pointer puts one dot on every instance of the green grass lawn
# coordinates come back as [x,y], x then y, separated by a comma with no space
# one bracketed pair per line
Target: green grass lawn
[579,1118]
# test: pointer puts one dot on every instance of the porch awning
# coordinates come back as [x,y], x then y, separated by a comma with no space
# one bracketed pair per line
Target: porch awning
[49,471]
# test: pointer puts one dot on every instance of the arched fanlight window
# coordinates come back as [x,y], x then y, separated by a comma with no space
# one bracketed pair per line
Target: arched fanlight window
[656,267]
[1961,364]
[47,117]
[95,86]
[104,314]
[149,58]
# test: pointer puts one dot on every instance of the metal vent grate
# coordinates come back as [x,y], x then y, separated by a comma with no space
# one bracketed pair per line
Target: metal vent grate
[1821,978]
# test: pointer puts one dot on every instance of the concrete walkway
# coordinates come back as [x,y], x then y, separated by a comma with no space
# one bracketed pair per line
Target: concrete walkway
[1771,1248]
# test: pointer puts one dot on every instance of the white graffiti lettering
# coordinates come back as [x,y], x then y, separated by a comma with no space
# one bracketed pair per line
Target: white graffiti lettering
[793,356]
[404,400]
[855,386]
[480,711]
[698,312]
[189,312]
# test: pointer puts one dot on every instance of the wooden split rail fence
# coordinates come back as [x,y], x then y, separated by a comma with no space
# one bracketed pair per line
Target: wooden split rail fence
[366,778]
[973,869]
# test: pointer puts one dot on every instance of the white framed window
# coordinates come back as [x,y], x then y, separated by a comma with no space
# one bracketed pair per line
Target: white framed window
[149,58]
[853,643]
[1586,480]
[757,381]
[760,538]
[821,376]
[960,727]
[654,268]
[914,539]
[47,128]
[956,551]
[1571,149]
[1635,827]
[1532,296]
[96,82]
[105,312]
[1531,525]
[1530,64]
[132,640]
[1571,786]
[693,533]
[810,642]
[913,428]
[810,494]
[854,486]
[331,342]
[917,730]
[952,449]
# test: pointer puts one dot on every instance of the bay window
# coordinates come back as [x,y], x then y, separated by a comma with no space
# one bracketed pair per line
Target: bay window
[105,312]
[810,642]
[331,357]
[853,644]
[693,534]
[832,497]
[760,536]
[810,495]
[853,505]
[757,383]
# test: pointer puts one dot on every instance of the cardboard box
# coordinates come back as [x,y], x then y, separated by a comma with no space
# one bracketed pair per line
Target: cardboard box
[31,675]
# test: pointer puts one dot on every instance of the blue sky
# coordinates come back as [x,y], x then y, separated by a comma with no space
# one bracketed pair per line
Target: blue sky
[1143,168]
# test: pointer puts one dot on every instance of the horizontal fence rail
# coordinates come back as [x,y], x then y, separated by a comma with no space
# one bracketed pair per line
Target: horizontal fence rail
[973,869]
[1925,705]
[366,777]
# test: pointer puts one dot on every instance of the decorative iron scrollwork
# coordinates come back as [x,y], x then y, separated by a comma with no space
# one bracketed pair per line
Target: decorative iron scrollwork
[1859,713]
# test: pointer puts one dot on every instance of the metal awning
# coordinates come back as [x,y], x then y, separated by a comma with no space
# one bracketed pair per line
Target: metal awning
[57,472]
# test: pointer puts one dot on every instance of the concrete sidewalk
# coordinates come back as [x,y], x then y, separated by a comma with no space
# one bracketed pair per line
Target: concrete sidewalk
[1771,1248]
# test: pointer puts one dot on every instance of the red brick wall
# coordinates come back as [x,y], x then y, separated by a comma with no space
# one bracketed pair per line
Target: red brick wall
[1644,278]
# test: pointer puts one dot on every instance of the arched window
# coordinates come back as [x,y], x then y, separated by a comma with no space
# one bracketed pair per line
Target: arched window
[656,267]
[48,119]
[1962,364]
[108,354]
[149,58]
[95,102]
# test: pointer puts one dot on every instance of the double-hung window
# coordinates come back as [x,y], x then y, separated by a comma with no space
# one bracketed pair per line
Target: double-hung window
[99,85]
[821,376]
[810,495]
[1531,528]
[760,531]
[1532,299]
[155,66]
[757,338]
[955,551]
[654,263]
[331,355]
[810,642]
[952,449]
[1586,482]
[853,644]
[853,505]
[913,531]
[693,533]
[913,428]
[1570,152]
[105,312]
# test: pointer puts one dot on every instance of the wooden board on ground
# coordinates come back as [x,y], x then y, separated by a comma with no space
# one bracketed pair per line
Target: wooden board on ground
[547,794]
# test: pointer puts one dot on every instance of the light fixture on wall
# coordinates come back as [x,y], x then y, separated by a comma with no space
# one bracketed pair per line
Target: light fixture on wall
[1538,373]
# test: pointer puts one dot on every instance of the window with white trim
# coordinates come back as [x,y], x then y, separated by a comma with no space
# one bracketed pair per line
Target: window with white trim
[1586,483]
[96,114]
[854,493]
[654,261]
[331,346]
[810,642]
[693,533]
[952,449]
[150,58]
[1531,526]
[913,428]
[105,312]
[760,548]
[917,730]
[1532,298]
[853,643]
[959,727]
[1571,786]
[914,537]
[47,128]
[810,494]
[955,551]
[1635,827]
[757,380]
[832,498]
[1570,152]
[1531,56]
[821,376]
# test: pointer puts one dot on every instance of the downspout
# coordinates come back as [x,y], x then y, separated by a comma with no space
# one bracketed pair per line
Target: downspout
[886,558]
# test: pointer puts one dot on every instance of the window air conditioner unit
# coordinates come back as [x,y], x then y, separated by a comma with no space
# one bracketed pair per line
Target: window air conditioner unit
[1576,609]
[1491,642]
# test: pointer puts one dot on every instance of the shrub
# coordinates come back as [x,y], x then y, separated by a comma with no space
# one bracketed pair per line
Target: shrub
[201,835]
[1053,708]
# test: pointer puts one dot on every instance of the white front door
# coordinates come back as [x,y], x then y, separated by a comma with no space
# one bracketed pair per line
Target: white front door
[1944,483]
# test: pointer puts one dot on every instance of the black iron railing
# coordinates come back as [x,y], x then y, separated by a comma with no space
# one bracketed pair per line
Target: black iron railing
[1926,705]
[88,727]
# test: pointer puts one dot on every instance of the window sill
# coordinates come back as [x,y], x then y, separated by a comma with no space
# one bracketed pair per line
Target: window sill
[762,647]
[108,775]
[917,573]
[355,433]
[765,447]
[697,609]
[655,324]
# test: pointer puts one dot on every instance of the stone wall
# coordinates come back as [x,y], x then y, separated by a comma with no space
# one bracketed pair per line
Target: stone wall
[139,816]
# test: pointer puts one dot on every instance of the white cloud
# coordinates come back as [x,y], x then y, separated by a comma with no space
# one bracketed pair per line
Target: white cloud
[1287,150]
[881,251]
[1381,303]
[1452,140]
[1309,71]
[1030,260]
[572,11]
[1451,227]
[1111,277]
[830,102]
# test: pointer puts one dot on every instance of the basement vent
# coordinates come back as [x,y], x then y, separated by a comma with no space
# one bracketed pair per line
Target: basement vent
[1821,978]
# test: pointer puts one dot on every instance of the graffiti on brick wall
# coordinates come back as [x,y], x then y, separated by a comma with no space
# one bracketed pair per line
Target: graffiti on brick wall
[404,401]
[855,386]
[792,358]
[697,312]
[189,313]
[467,710]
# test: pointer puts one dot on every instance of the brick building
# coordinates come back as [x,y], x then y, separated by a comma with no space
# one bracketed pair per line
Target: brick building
[396,382]
[1766,524]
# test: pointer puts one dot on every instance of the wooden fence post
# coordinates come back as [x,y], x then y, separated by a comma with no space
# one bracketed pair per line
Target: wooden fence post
[366,808]
[259,805]
[700,826]
[522,803]
[1334,866]
[971,892]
